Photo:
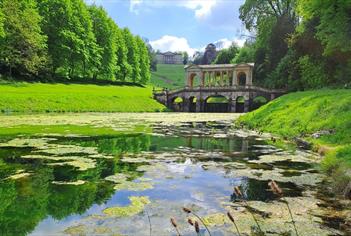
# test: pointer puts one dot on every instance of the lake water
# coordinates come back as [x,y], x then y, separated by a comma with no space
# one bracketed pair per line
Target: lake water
[72,180]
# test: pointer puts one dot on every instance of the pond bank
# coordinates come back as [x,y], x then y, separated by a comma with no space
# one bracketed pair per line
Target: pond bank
[320,119]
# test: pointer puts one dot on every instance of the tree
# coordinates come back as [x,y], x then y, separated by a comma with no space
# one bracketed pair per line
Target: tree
[274,22]
[245,54]
[23,47]
[185,58]
[124,69]
[2,32]
[133,56]
[225,56]
[71,41]
[103,27]
[144,61]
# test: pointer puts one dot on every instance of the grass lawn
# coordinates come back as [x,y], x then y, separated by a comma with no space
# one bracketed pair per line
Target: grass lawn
[168,76]
[39,98]
[304,113]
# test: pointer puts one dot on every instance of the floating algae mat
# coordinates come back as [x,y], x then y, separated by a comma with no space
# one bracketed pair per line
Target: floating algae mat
[119,174]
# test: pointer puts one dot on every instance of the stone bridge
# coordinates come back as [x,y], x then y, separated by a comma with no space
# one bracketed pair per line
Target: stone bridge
[217,88]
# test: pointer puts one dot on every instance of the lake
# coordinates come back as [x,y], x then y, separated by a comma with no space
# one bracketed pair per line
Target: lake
[128,174]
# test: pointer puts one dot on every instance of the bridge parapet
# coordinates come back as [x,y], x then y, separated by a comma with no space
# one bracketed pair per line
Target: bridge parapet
[236,96]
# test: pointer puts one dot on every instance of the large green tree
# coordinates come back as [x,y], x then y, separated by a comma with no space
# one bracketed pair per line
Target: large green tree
[23,47]
[144,61]
[2,32]
[103,27]
[273,21]
[133,56]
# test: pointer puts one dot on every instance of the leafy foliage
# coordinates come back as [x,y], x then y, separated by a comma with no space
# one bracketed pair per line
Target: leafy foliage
[67,39]
[225,56]
[23,48]
[301,44]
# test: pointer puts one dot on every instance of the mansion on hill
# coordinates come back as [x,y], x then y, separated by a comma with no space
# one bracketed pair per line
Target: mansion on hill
[169,58]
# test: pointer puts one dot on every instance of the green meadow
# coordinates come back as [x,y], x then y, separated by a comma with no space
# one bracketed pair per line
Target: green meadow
[39,98]
[168,76]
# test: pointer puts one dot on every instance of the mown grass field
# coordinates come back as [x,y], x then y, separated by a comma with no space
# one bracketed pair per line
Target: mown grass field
[302,114]
[41,98]
[168,76]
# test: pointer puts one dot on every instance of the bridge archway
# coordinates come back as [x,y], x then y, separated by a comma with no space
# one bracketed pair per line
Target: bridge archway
[258,102]
[192,104]
[193,79]
[216,103]
[177,104]
[241,78]
[240,104]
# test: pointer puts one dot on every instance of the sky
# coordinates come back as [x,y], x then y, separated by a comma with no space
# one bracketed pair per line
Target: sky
[179,25]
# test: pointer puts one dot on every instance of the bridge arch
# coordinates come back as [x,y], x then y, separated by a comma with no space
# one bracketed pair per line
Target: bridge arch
[192,104]
[216,103]
[240,104]
[259,101]
[242,78]
[193,79]
[177,103]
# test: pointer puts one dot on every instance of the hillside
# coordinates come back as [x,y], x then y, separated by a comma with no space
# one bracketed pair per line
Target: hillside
[168,76]
[38,97]
[322,117]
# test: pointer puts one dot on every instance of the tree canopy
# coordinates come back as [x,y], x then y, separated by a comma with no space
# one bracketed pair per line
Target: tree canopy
[68,40]
[299,44]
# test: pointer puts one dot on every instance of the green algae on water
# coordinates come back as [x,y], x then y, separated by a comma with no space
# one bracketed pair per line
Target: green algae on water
[137,205]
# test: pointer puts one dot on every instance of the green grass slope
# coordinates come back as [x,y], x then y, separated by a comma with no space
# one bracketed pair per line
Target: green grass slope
[168,76]
[38,98]
[302,114]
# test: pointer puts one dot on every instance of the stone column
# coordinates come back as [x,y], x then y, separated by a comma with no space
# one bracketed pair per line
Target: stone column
[232,105]
[202,82]
[222,79]
[247,105]
[199,104]
[185,105]
[235,80]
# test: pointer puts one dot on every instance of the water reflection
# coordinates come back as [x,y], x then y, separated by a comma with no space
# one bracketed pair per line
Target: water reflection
[25,202]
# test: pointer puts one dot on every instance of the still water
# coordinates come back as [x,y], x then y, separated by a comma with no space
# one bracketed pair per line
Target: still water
[133,182]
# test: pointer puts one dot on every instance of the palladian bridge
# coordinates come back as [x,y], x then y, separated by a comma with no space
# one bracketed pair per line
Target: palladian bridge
[217,88]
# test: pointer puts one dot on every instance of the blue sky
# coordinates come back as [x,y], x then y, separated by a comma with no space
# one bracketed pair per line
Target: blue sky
[179,25]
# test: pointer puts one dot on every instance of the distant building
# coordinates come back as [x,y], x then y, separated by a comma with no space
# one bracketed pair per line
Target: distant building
[169,58]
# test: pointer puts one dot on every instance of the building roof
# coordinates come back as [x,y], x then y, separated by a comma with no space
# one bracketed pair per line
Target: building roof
[168,53]
[215,66]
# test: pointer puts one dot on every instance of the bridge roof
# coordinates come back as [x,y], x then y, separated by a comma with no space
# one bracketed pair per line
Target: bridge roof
[216,66]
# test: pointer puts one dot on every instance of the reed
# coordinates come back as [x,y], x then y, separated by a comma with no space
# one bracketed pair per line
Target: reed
[197,227]
[239,194]
[188,211]
[231,218]
[279,192]
[175,225]
[150,226]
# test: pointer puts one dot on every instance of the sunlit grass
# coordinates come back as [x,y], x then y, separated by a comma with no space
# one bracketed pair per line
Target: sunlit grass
[168,76]
[38,97]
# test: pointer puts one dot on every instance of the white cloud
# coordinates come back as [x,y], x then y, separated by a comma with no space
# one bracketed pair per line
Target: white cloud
[173,44]
[201,8]
[133,7]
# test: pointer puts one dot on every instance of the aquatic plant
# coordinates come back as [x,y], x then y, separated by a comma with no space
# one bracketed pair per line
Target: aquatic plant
[175,225]
[188,211]
[231,218]
[279,192]
[239,194]
[197,227]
